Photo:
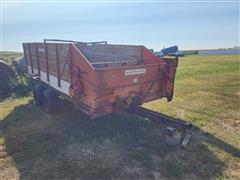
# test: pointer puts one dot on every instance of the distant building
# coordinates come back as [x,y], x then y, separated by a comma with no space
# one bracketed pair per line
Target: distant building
[235,50]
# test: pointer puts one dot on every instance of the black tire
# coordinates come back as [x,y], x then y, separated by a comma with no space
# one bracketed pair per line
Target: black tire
[38,93]
[50,101]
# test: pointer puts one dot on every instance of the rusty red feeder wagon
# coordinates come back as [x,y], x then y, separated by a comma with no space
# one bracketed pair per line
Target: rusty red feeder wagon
[97,77]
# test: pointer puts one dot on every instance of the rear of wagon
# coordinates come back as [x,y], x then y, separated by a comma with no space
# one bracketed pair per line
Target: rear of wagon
[127,76]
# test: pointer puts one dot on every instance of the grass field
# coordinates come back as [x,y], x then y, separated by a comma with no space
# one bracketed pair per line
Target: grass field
[35,145]
[9,56]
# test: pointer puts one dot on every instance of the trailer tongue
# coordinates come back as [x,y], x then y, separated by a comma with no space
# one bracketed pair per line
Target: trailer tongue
[177,131]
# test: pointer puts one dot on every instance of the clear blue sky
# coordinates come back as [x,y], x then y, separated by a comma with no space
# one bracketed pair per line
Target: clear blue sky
[189,25]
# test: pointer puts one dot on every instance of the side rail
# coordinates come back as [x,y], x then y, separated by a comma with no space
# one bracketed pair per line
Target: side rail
[49,62]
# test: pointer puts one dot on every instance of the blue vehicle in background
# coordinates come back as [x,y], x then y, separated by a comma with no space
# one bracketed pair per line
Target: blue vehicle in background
[170,51]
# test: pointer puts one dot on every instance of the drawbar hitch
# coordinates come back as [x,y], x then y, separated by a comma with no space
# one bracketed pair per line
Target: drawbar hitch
[177,131]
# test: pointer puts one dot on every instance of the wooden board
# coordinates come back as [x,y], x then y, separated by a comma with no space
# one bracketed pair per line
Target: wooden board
[63,57]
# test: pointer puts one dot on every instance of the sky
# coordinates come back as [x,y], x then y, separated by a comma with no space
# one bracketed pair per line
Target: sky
[190,25]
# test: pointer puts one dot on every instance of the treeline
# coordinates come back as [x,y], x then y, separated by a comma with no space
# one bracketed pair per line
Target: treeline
[189,52]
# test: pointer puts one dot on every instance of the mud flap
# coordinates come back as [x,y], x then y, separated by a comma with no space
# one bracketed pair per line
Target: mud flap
[171,66]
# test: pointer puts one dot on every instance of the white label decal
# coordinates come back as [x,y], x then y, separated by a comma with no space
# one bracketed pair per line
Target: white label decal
[135,71]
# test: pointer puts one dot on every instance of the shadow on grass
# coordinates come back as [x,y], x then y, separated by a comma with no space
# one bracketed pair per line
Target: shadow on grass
[69,146]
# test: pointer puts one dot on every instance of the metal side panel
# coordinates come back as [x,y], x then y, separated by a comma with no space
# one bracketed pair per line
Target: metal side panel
[53,82]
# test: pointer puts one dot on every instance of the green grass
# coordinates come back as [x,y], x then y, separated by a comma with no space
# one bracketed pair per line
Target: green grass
[207,93]
[9,56]
[68,145]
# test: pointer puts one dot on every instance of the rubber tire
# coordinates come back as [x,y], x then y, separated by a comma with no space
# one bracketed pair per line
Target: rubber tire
[50,101]
[38,93]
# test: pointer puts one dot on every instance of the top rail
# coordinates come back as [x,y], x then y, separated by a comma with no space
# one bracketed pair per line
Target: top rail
[70,41]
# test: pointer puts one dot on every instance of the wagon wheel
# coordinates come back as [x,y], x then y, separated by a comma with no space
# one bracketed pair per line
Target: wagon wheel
[38,93]
[50,101]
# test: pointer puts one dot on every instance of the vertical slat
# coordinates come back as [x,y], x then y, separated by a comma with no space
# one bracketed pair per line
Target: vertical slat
[30,55]
[25,55]
[58,69]
[70,63]
[46,56]
[37,58]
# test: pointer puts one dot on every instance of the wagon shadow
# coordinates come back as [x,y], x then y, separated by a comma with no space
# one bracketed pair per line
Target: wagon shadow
[69,145]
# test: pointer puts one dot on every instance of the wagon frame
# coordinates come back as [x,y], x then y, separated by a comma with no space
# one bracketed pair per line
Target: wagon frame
[99,78]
